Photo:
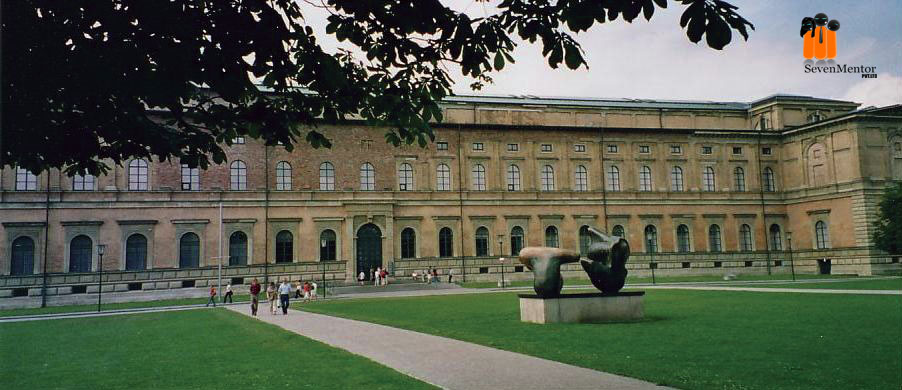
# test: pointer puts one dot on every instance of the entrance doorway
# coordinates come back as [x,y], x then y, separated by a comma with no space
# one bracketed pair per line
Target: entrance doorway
[369,249]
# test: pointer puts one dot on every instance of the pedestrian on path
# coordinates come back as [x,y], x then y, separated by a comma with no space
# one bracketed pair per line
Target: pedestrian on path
[383,277]
[361,277]
[212,297]
[284,295]
[271,297]
[228,295]
[450,275]
[377,276]
[313,291]
[255,292]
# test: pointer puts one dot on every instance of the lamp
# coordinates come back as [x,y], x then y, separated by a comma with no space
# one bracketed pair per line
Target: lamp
[792,265]
[100,249]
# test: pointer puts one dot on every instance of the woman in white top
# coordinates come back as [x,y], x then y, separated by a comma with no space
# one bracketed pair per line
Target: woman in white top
[361,277]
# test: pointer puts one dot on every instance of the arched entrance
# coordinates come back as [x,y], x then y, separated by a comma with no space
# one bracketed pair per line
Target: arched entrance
[369,248]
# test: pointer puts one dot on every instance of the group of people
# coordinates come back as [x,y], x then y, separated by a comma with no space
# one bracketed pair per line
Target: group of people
[306,290]
[278,296]
[431,276]
[379,276]
[227,298]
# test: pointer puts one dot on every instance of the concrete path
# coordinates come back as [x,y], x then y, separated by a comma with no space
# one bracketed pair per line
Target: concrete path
[444,362]
[778,290]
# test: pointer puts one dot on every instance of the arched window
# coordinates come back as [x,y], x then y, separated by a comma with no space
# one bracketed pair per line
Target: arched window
[581,179]
[613,178]
[618,231]
[284,247]
[551,238]
[189,251]
[326,177]
[768,179]
[22,256]
[822,236]
[327,245]
[739,176]
[547,178]
[513,178]
[745,238]
[238,175]
[367,177]
[238,249]
[683,239]
[408,243]
[516,240]
[283,176]
[136,252]
[80,254]
[482,241]
[676,179]
[776,242]
[644,178]
[708,179]
[651,239]
[83,183]
[445,242]
[405,177]
[714,242]
[443,178]
[190,178]
[137,175]
[478,177]
[585,240]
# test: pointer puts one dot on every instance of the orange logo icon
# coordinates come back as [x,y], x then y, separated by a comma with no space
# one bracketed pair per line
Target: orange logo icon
[819,37]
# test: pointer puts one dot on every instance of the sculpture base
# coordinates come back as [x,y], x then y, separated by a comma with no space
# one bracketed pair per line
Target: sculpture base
[577,308]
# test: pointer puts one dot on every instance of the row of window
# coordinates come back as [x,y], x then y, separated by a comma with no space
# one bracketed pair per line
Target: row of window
[137,178]
[80,248]
[611,148]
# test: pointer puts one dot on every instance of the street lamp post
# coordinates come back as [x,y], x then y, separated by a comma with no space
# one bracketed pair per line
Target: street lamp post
[792,265]
[323,246]
[651,263]
[100,249]
[501,251]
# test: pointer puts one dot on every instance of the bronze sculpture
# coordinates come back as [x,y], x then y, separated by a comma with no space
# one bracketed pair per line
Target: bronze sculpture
[606,267]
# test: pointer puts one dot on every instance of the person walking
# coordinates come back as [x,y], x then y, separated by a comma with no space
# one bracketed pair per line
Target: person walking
[284,295]
[271,297]
[377,276]
[228,294]
[313,291]
[212,297]
[255,292]
[361,277]
[384,277]
[450,274]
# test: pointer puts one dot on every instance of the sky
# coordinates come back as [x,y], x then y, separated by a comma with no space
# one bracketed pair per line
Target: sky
[655,60]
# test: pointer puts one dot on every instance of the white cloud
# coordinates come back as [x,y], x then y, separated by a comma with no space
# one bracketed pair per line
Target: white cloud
[885,90]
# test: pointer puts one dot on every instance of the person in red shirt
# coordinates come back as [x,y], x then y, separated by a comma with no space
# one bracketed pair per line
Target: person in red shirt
[212,297]
[255,292]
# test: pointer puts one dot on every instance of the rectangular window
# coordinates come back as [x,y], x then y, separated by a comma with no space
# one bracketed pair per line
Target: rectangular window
[478,147]
[766,151]
[612,148]
[513,147]
[707,150]
[737,150]
[546,148]
[676,149]
[644,149]
[441,145]
[579,148]
[190,178]
[238,141]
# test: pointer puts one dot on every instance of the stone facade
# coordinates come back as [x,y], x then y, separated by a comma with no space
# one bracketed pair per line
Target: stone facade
[613,164]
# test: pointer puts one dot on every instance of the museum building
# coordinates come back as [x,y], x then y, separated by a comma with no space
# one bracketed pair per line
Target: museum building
[783,184]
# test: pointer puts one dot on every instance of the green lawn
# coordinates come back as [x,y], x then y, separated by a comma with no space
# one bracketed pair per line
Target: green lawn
[112,306]
[875,284]
[667,279]
[690,339]
[213,348]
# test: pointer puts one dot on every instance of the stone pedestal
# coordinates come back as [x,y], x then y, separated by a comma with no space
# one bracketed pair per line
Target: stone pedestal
[593,307]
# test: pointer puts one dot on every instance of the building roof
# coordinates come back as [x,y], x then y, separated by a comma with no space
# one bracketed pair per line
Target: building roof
[595,102]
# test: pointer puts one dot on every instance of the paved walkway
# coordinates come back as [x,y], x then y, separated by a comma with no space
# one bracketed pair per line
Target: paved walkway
[444,362]
[778,290]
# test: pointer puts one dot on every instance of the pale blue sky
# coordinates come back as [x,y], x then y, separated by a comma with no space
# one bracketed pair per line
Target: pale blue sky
[655,60]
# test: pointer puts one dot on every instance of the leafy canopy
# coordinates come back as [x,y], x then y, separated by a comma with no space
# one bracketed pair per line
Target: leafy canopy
[86,81]
[888,228]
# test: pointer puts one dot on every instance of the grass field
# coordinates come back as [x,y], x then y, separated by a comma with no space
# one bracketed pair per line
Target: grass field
[213,348]
[666,279]
[689,339]
[865,284]
[112,306]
